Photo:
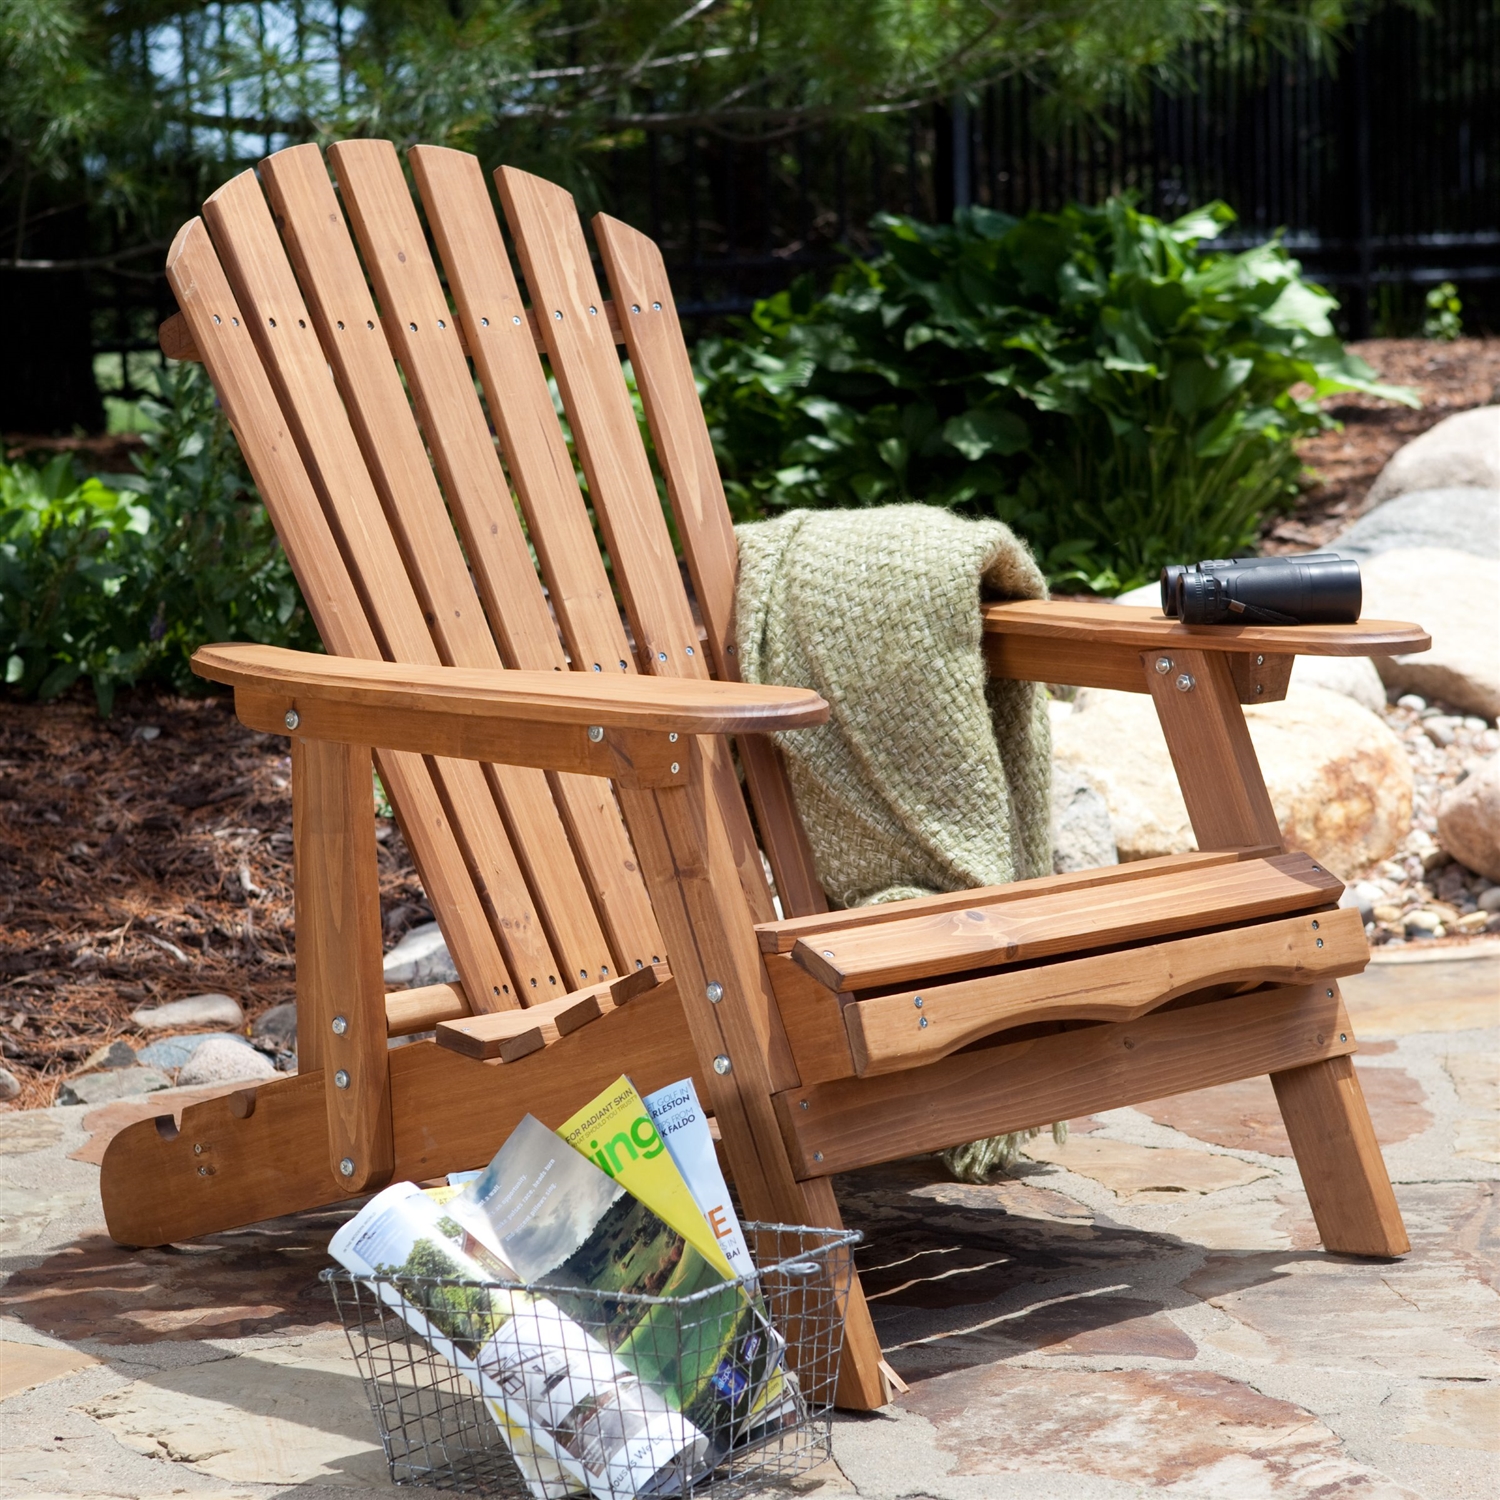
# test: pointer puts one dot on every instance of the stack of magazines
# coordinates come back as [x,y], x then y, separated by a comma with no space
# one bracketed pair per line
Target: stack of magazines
[594,1285]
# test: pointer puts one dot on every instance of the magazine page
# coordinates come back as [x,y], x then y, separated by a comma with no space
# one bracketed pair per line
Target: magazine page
[552,1214]
[617,1132]
[683,1129]
[574,1414]
[682,1126]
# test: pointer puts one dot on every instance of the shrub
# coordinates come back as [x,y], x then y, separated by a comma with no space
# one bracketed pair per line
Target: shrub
[1114,388]
[118,579]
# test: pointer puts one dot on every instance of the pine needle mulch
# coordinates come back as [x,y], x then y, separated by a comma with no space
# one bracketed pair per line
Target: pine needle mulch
[138,868]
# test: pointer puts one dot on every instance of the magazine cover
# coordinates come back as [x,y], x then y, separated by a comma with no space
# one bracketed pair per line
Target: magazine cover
[575,1416]
[682,1128]
[558,1219]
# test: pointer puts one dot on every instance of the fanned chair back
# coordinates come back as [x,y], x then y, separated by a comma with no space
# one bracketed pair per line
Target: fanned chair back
[376,454]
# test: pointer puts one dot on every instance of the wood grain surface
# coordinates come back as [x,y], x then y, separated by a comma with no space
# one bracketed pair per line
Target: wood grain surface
[919,948]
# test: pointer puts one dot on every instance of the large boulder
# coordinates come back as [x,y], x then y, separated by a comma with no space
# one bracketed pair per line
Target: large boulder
[1352,676]
[1461,520]
[1469,820]
[1339,780]
[1461,452]
[1082,835]
[1456,598]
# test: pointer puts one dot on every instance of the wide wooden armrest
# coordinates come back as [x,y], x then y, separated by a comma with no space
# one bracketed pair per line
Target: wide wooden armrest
[1141,628]
[629,727]
[1102,645]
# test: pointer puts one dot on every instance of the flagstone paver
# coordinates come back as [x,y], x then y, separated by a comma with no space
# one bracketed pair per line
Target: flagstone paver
[1144,1310]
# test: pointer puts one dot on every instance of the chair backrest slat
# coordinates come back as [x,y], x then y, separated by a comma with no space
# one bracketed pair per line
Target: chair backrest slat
[290,347]
[223,337]
[501,341]
[664,376]
[435,571]
[581,349]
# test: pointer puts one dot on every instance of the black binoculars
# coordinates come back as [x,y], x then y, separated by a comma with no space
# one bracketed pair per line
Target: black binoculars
[1318,588]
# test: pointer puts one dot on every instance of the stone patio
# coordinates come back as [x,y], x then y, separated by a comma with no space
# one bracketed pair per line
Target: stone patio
[1144,1309]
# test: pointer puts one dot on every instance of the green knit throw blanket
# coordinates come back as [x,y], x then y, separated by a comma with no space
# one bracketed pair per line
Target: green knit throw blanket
[930,775]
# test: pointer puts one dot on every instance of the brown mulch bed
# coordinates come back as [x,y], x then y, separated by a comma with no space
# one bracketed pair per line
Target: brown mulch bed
[1448,377]
[137,868]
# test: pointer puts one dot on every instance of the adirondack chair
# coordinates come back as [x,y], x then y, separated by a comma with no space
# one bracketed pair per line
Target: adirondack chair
[565,782]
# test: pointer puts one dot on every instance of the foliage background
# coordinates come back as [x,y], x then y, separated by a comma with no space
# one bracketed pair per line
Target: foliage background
[1113,387]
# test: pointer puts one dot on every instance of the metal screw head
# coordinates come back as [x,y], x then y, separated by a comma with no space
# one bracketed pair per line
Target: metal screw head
[346,1167]
[1343,1036]
[197,1150]
[817,1156]
[921,1025]
[1260,661]
[340,1025]
[715,992]
[722,1064]
[1315,924]
[917,1001]
[1329,993]
[1163,665]
[1186,682]
[341,1079]
[675,768]
[596,733]
[1319,942]
[293,718]
[672,738]
[806,1105]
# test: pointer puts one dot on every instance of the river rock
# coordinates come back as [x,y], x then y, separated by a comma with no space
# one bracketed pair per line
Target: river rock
[1455,596]
[1082,836]
[115,1054]
[1461,520]
[1469,820]
[105,1088]
[10,1086]
[1340,781]
[173,1052]
[195,1010]
[421,957]
[222,1059]
[1461,452]
[277,1027]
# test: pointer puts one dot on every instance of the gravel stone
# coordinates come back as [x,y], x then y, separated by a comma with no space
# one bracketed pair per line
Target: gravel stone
[105,1088]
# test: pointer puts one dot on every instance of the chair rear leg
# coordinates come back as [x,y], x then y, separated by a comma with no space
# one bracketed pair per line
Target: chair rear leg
[1342,1169]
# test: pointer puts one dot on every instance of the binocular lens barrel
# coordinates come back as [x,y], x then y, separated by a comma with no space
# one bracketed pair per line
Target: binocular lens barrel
[1288,591]
[1173,573]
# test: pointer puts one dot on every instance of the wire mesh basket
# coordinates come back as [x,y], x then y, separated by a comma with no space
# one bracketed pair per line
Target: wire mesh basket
[752,1364]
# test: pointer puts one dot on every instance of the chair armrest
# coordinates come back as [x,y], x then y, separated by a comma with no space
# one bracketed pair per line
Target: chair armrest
[1100,645]
[1142,628]
[622,726]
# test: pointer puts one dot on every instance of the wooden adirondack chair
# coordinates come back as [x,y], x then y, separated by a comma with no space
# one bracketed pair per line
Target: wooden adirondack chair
[513,727]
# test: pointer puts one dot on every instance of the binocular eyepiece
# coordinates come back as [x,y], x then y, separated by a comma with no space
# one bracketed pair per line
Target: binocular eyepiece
[1319,588]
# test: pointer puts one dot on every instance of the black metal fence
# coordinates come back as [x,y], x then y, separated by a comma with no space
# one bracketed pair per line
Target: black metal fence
[1383,172]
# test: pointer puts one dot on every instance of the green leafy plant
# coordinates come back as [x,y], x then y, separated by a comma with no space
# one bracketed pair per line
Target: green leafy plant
[1444,318]
[1120,392]
[119,579]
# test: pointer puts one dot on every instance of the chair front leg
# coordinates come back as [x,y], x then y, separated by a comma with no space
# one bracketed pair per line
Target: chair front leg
[341,1028]
[1322,1104]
